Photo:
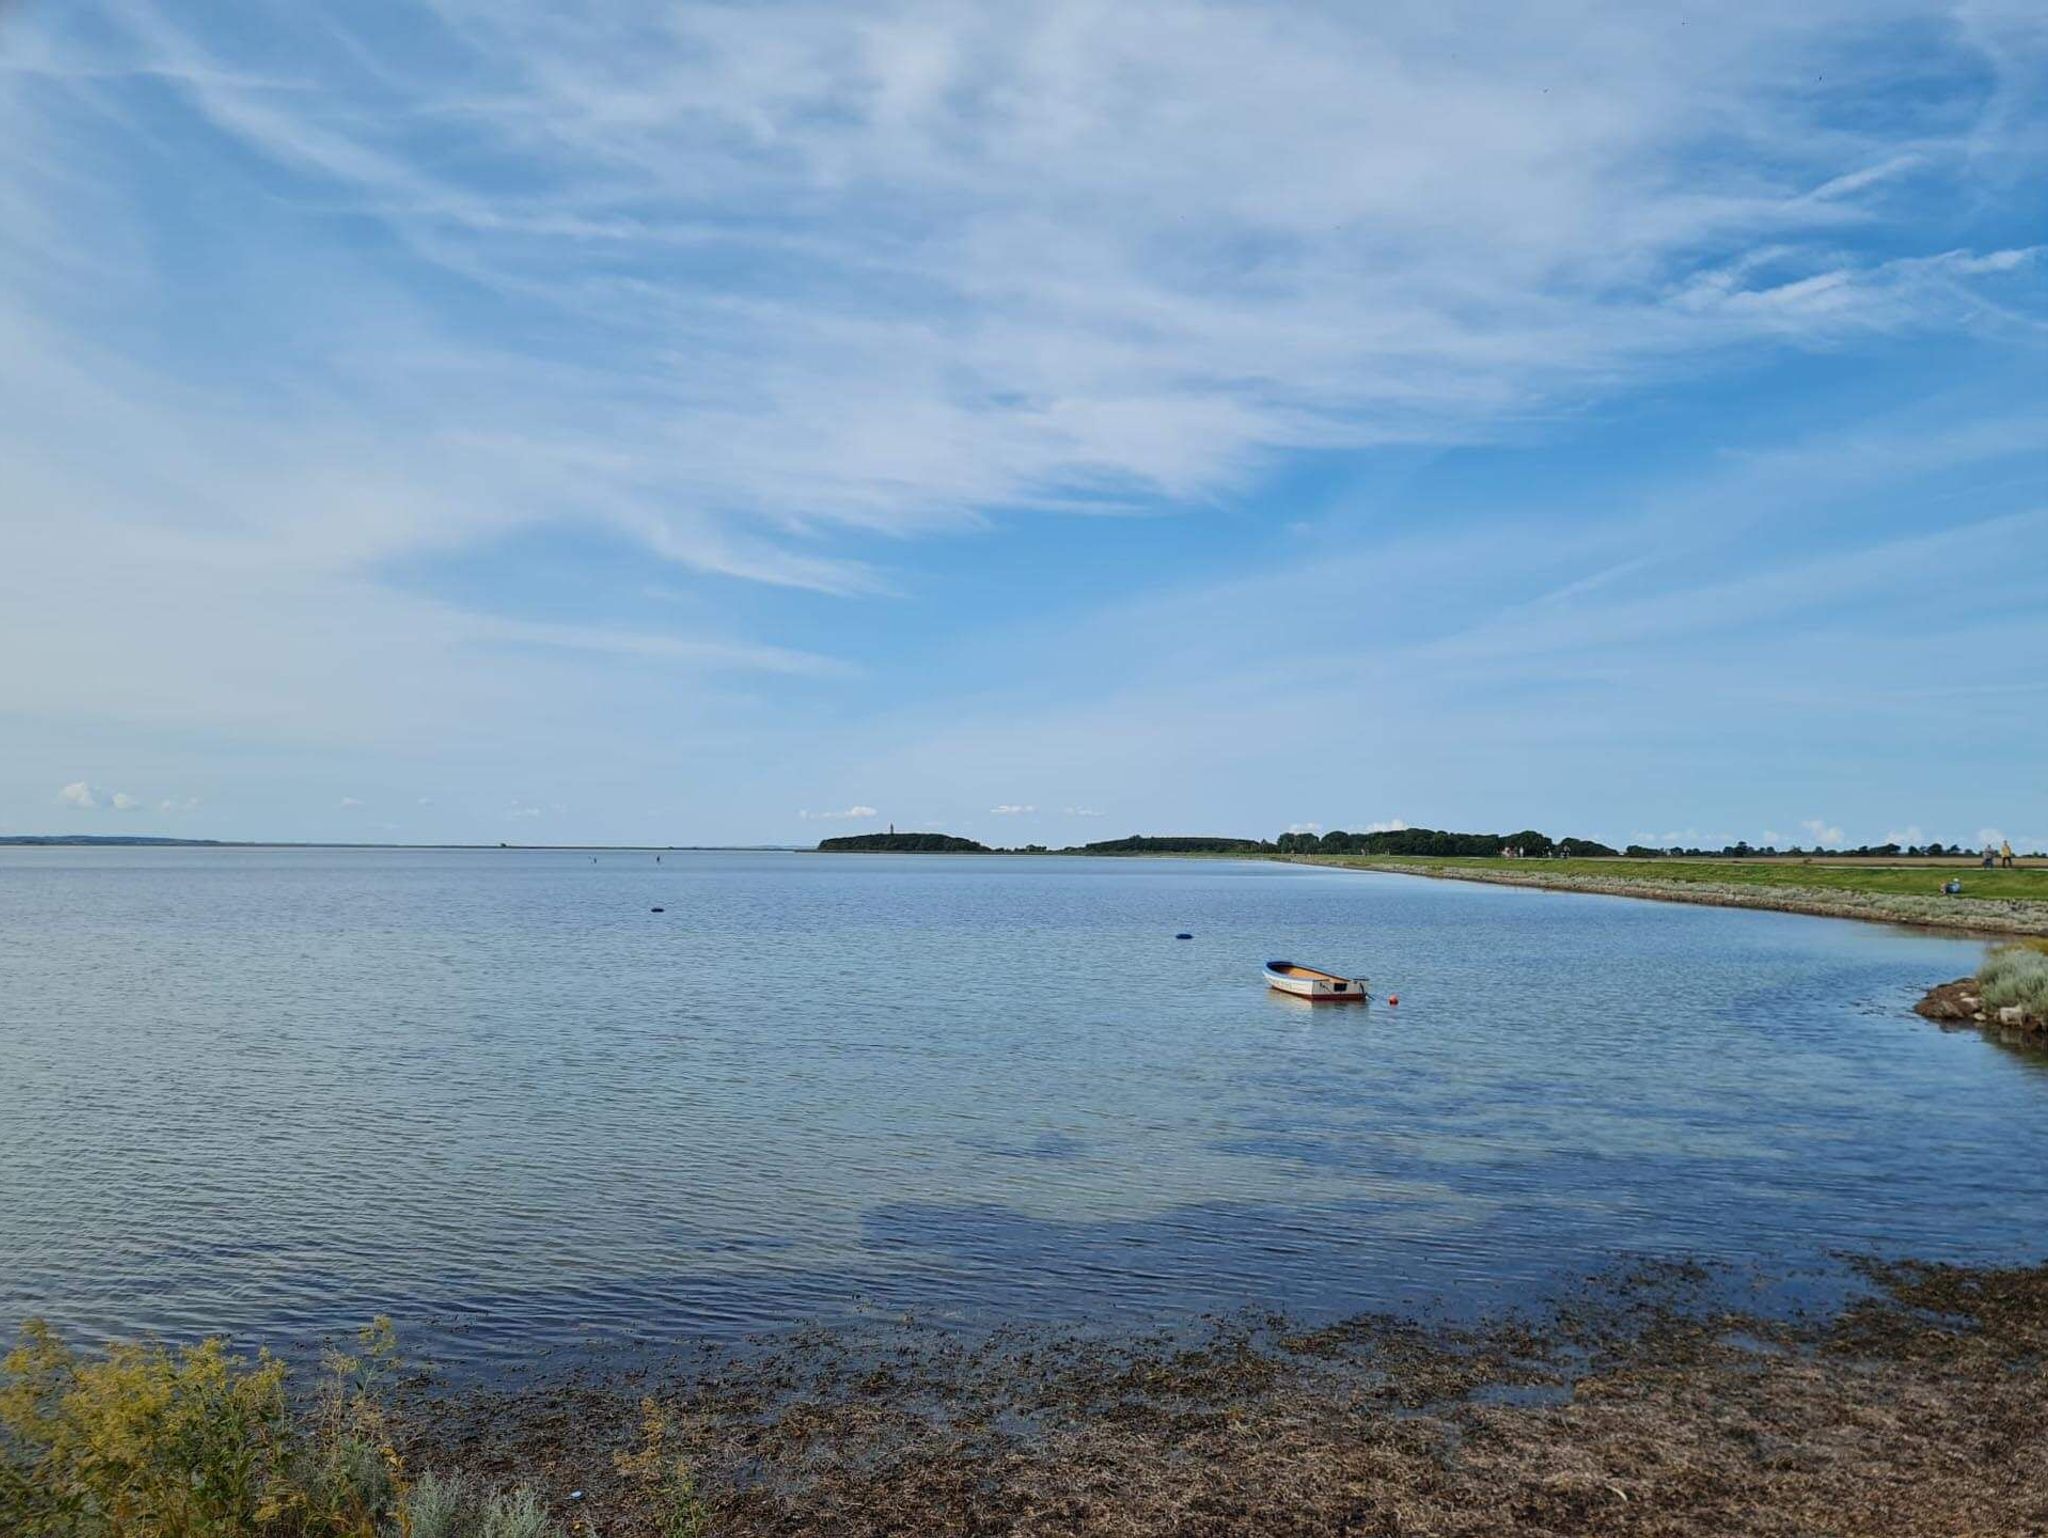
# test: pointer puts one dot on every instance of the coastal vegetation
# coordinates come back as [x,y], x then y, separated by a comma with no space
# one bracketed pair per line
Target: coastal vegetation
[2016,977]
[162,1442]
[152,1441]
[2009,992]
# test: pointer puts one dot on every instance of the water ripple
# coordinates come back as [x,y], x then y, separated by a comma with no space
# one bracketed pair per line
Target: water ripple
[273,1092]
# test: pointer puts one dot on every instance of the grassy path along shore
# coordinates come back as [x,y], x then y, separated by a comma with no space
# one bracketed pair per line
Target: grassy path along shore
[2013,902]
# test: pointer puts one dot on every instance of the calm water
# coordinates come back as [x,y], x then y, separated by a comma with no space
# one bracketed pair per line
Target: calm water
[493,1095]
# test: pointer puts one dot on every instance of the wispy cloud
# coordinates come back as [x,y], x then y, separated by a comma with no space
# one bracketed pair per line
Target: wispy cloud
[83,797]
[851,814]
[1819,831]
[883,266]
[1011,809]
[759,294]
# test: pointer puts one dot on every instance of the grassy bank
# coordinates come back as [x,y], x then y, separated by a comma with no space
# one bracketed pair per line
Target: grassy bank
[1993,901]
[1645,1409]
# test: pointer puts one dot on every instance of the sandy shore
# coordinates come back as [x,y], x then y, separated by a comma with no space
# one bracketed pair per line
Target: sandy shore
[1968,914]
[1646,1409]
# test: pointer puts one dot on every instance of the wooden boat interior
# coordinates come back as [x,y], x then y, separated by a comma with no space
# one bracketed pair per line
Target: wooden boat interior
[1289,969]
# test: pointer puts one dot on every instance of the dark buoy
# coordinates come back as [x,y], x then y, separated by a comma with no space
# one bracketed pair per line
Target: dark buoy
[657,910]
[1183,935]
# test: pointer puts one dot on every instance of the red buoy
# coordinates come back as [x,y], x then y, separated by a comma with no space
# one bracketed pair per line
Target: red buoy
[1393,998]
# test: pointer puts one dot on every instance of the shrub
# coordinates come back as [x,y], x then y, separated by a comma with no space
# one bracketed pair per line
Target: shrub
[442,1507]
[151,1441]
[434,1507]
[513,1514]
[2016,974]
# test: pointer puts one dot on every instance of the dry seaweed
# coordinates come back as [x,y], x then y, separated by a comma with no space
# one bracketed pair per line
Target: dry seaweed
[1916,1410]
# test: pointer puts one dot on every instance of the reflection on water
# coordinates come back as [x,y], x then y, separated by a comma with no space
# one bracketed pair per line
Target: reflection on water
[494,1095]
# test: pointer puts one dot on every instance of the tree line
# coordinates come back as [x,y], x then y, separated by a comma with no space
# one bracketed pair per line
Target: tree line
[1528,843]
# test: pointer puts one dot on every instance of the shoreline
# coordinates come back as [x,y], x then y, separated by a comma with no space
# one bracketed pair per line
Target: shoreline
[1655,1401]
[1984,916]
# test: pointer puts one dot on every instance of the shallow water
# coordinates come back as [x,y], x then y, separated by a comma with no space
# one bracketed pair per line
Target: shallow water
[493,1095]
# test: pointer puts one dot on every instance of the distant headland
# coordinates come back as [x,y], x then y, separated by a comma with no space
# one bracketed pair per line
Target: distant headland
[123,839]
[1931,885]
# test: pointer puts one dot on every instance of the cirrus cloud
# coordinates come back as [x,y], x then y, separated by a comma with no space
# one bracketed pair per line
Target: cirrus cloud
[758,292]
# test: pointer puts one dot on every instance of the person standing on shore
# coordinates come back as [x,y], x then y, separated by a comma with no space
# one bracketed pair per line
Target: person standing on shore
[2005,854]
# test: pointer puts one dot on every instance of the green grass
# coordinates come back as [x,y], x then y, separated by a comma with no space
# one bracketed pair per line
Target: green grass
[1890,880]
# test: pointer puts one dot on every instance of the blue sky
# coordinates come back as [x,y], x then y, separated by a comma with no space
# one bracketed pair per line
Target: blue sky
[1046,421]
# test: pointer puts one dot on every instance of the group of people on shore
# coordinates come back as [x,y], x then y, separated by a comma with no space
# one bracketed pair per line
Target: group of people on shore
[2001,856]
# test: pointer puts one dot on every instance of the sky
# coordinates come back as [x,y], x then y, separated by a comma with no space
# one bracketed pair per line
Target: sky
[1045,421]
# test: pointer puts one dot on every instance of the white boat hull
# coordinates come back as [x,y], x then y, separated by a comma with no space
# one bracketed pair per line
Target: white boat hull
[1316,986]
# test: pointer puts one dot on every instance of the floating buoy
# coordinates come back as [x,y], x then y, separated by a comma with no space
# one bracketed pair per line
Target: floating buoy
[657,910]
[1393,998]
[1183,935]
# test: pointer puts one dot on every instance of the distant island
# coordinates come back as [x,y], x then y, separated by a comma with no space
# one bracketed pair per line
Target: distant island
[893,842]
[1183,843]
[1424,841]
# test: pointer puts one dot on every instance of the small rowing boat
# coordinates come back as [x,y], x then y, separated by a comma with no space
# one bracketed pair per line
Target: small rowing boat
[1318,986]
